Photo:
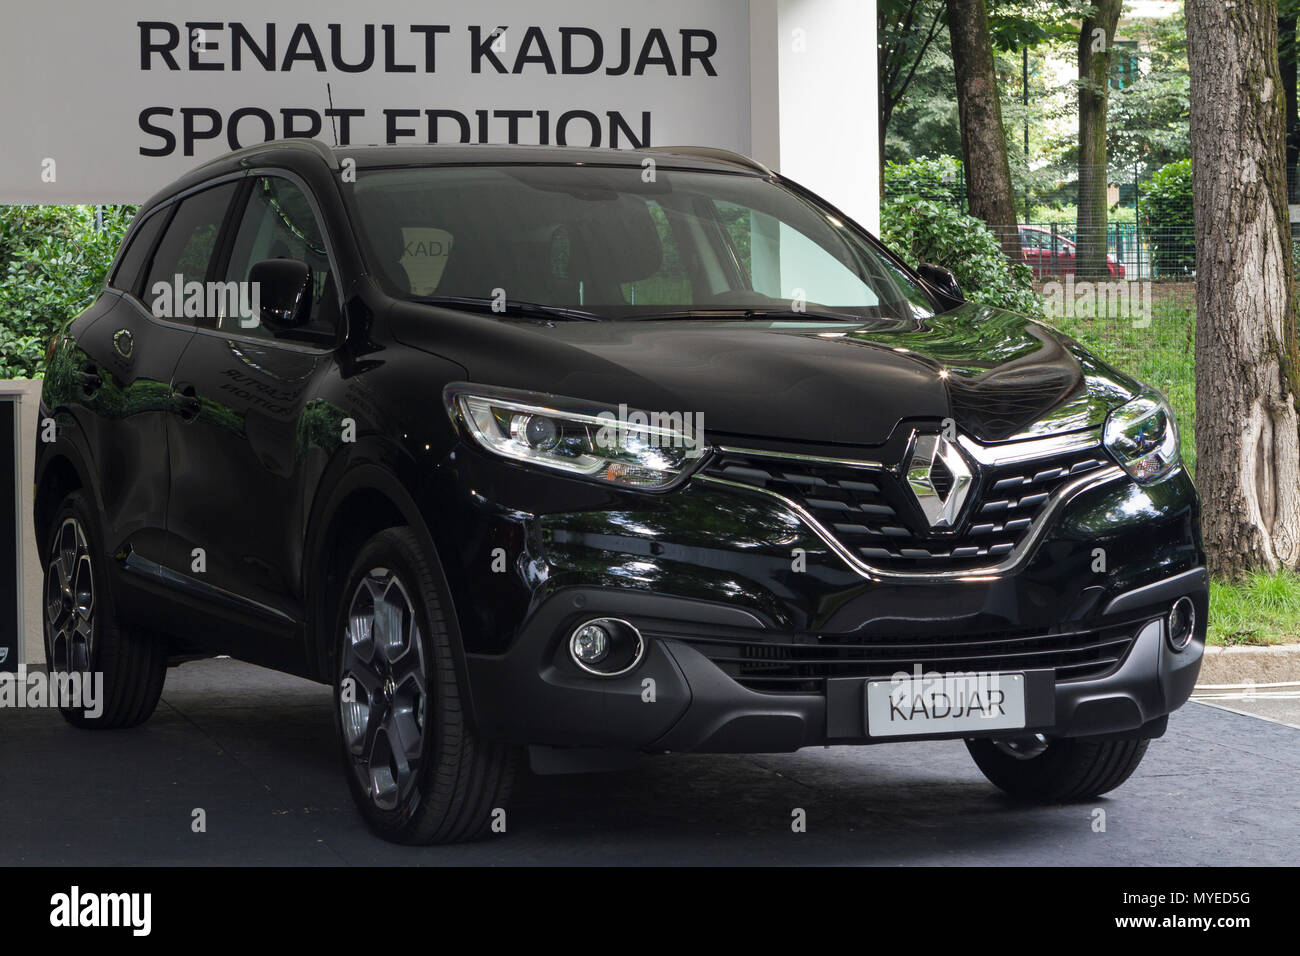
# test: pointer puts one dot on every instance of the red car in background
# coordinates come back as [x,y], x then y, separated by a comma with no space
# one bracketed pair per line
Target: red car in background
[1047,259]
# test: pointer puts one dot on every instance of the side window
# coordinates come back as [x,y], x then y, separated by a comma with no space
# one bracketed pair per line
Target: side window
[186,250]
[278,223]
[784,263]
[127,274]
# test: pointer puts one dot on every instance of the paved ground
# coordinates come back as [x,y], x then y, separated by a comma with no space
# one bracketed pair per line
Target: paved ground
[255,750]
[1280,706]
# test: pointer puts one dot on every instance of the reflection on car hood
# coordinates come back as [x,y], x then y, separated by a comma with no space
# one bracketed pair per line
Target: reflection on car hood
[999,375]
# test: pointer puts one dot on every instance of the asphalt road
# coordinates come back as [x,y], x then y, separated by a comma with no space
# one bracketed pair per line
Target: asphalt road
[255,750]
[1282,706]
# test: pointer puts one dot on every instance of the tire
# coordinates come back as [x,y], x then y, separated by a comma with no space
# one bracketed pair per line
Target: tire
[1068,769]
[81,627]
[396,681]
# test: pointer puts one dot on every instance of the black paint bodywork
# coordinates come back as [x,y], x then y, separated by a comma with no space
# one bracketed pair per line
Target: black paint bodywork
[200,439]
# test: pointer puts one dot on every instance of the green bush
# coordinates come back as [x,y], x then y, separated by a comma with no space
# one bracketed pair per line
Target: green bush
[53,260]
[939,178]
[920,230]
[1167,213]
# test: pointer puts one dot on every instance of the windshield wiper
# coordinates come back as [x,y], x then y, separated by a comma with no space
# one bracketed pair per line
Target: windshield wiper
[511,307]
[807,315]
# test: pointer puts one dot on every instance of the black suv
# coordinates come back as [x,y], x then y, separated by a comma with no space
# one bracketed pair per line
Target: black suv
[597,455]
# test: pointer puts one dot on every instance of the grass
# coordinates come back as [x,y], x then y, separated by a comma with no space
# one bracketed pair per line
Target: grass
[1263,608]
[1158,354]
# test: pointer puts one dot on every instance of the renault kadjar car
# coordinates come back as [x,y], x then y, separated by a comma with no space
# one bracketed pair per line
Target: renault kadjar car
[586,456]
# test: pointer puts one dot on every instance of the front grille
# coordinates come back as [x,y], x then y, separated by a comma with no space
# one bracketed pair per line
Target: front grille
[872,513]
[794,663]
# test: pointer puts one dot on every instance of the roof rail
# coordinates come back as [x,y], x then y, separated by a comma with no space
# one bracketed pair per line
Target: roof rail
[716,154]
[291,142]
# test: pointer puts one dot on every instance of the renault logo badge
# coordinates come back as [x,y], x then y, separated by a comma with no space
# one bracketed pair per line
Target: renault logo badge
[939,478]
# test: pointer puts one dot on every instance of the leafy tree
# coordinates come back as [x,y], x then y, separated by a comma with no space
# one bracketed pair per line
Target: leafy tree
[53,262]
[983,137]
[1148,121]
[924,118]
[938,177]
[1167,205]
[924,122]
[906,31]
[922,230]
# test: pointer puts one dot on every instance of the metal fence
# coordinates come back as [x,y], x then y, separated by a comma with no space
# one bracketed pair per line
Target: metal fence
[1133,251]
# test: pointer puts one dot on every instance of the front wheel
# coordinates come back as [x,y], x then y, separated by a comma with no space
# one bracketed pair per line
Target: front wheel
[1035,768]
[418,772]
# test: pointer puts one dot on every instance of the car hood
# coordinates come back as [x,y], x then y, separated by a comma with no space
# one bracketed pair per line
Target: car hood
[1000,376]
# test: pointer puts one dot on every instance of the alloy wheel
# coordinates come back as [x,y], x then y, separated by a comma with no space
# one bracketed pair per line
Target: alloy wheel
[383,693]
[70,600]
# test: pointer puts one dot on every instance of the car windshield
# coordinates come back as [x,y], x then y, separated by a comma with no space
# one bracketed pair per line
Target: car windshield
[620,243]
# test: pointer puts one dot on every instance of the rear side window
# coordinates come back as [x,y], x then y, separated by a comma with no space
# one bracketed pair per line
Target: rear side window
[127,274]
[190,242]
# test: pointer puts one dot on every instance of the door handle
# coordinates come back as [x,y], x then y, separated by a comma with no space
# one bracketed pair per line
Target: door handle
[186,401]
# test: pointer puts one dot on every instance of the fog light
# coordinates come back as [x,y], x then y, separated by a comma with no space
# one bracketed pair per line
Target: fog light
[1181,626]
[606,647]
[590,644]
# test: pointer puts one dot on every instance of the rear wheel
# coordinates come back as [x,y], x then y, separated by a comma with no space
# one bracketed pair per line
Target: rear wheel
[83,635]
[1066,768]
[417,770]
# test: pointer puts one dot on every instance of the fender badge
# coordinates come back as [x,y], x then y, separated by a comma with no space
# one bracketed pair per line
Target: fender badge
[123,342]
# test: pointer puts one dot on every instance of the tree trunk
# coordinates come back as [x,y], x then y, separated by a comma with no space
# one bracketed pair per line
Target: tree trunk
[983,141]
[1286,54]
[883,122]
[1247,367]
[1096,38]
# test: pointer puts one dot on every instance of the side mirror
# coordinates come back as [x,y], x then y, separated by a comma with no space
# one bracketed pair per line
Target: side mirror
[283,293]
[943,282]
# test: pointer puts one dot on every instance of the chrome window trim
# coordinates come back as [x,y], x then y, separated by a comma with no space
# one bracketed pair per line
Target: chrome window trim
[986,455]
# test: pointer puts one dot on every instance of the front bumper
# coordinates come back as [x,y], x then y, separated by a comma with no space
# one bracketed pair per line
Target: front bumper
[680,699]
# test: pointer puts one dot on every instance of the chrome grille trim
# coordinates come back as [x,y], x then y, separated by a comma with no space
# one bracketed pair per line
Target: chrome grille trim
[790,456]
[1013,453]
[1042,448]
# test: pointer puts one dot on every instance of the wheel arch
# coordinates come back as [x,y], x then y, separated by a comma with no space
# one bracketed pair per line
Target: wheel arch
[59,472]
[368,498]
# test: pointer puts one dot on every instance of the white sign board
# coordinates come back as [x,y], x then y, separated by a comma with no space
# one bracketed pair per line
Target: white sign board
[109,101]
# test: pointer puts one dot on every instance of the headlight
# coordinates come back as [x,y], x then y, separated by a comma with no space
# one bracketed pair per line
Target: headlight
[1143,437]
[634,450]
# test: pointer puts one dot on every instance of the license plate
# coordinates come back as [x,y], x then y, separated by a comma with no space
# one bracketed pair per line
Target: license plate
[945,704]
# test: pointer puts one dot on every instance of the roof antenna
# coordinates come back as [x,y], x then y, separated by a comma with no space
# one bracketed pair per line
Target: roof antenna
[333,123]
